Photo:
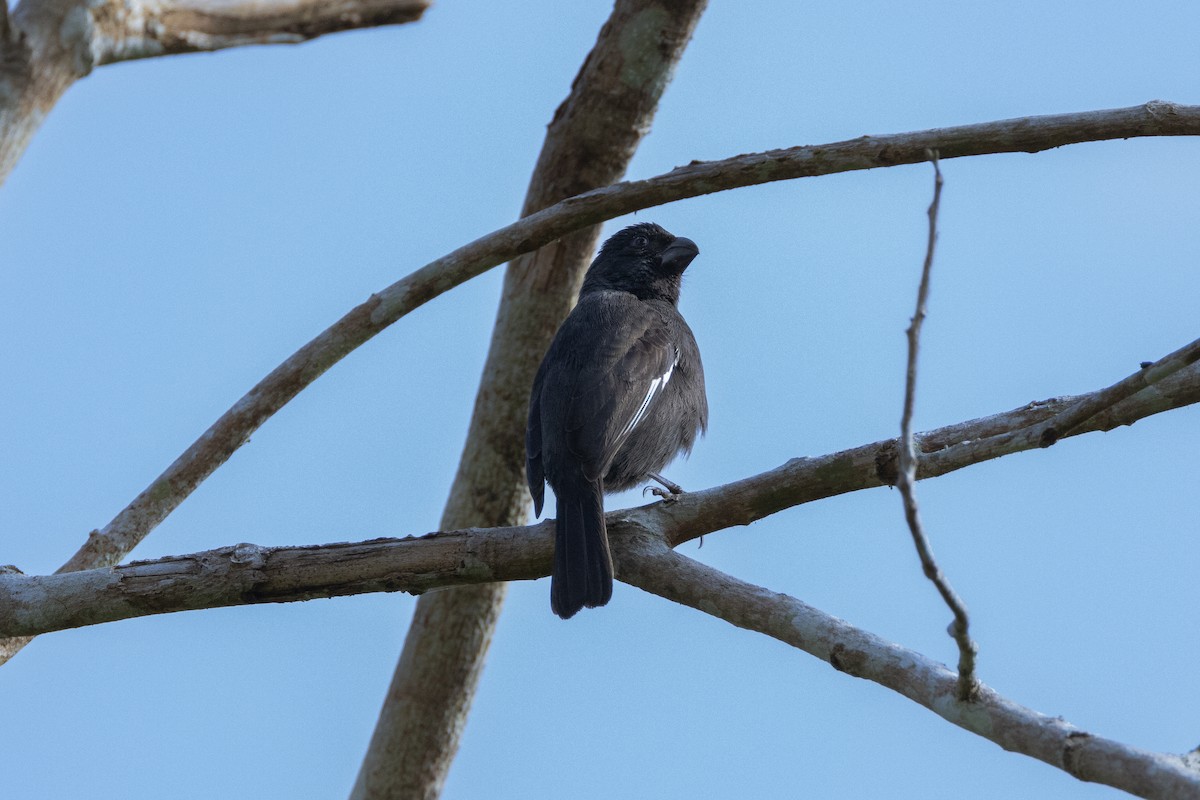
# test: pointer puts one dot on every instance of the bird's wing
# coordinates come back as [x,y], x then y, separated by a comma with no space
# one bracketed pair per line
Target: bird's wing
[632,361]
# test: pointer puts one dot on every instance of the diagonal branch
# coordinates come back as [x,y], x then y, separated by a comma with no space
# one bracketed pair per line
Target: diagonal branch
[246,573]
[648,564]
[1068,419]
[804,480]
[644,561]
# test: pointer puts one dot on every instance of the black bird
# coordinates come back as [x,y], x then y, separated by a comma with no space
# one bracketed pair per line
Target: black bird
[619,394]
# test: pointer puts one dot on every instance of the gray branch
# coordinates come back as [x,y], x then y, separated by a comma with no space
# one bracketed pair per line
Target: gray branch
[907,477]
[131,29]
[804,480]
[1084,409]
[648,564]
[47,45]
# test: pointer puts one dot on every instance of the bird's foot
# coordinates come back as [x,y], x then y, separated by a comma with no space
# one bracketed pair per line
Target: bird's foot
[666,495]
[670,491]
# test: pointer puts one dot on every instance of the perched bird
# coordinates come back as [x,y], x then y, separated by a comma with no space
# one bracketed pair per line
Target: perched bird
[619,394]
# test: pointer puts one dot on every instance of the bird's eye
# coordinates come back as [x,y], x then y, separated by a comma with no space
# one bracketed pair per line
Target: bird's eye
[640,242]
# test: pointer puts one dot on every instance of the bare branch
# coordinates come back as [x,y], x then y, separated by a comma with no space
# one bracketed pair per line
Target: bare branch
[129,29]
[382,309]
[1084,409]
[646,563]
[589,143]
[907,478]
[49,44]
[247,573]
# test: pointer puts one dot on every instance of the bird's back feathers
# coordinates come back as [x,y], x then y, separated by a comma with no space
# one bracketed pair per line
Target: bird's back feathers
[619,394]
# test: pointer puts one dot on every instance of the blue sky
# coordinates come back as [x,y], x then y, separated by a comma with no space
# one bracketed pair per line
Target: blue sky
[179,226]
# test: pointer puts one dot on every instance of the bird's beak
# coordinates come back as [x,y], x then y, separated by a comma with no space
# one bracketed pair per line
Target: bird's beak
[679,254]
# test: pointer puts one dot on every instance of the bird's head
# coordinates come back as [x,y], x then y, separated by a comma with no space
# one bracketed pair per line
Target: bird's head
[643,259]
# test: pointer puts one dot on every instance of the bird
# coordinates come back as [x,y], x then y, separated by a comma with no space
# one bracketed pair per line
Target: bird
[619,394]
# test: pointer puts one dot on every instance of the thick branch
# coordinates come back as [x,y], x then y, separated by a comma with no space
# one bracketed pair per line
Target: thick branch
[649,565]
[131,29]
[246,573]
[47,45]
[589,143]
[362,323]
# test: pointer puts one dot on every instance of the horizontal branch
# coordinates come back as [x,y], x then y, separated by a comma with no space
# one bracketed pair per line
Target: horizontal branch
[129,29]
[236,425]
[651,566]
[247,574]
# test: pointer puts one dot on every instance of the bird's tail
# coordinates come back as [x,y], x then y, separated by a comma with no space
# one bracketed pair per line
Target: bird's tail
[583,573]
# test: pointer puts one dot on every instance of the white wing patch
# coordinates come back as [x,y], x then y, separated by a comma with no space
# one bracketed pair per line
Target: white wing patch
[656,387]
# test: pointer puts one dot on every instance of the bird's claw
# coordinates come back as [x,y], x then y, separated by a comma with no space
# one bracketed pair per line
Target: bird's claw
[666,495]
[670,491]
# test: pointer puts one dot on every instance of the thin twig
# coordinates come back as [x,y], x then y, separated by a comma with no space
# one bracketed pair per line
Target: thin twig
[944,450]
[1072,417]
[906,481]
[1068,419]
